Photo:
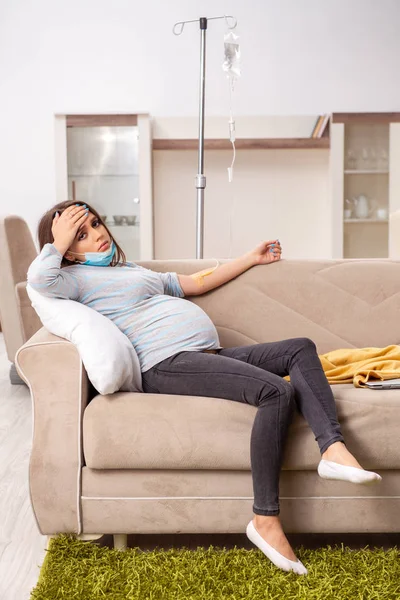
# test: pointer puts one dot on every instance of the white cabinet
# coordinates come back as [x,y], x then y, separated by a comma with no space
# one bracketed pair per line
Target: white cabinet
[365,185]
[109,161]
[394,191]
[102,151]
[99,151]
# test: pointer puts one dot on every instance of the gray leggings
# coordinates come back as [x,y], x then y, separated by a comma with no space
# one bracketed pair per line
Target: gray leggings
[253,375]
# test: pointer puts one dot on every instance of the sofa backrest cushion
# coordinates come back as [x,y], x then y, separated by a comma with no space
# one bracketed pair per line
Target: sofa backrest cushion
[337,303]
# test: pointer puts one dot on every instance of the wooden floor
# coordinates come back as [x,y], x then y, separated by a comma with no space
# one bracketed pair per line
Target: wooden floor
[22,548]
[21,545]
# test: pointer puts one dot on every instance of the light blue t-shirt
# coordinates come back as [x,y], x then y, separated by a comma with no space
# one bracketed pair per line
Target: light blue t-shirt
[148,307]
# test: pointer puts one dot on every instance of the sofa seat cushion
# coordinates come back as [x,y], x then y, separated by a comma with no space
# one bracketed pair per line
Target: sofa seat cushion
[159,431]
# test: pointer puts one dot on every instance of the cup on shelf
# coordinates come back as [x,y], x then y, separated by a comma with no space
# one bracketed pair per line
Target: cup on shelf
[366,159]
[373,157]
[382,214]
[351,159]
[383,159]
[131,219]
[119,219]
[347,213]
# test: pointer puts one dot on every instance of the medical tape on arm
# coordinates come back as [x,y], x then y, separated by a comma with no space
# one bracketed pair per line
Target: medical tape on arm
[199,277]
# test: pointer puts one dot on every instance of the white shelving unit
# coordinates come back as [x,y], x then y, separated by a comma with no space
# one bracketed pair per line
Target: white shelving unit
[365,172]
[367,141]
[109,164]
[366,221]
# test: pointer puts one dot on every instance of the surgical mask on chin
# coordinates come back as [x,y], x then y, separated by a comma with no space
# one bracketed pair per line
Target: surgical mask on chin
[99,259]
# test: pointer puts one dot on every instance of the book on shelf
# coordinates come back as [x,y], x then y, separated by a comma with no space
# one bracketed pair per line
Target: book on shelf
[316,126]
[320,126]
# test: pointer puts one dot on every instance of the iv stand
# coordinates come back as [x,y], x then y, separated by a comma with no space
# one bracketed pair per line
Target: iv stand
[200,177]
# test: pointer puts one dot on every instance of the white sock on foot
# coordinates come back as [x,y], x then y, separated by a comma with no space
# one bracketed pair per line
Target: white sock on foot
[331,470]
[274,556]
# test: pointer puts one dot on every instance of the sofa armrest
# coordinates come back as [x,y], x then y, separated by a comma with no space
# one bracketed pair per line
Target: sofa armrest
[30,322]
[59,386]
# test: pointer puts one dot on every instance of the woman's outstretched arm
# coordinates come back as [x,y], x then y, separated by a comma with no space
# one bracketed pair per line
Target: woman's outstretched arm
[208,279]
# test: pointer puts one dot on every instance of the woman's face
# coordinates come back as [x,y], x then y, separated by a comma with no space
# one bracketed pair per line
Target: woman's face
[92,236]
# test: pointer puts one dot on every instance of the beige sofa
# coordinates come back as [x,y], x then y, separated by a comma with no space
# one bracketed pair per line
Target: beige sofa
[19,321]
[150,463]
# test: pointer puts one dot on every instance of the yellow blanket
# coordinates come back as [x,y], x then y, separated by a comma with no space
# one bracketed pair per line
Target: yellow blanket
[358,365]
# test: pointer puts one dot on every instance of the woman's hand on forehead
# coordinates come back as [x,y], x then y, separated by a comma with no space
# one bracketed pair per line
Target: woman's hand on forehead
[66,225]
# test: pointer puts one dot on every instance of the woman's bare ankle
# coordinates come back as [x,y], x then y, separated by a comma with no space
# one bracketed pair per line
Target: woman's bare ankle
[332,451]
[338,452]
[265,521]
[270,529]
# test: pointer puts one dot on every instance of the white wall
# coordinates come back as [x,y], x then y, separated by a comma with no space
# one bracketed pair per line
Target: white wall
[93,56]
[275,194]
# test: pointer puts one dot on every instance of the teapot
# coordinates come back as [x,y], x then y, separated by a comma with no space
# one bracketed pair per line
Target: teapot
[363,210]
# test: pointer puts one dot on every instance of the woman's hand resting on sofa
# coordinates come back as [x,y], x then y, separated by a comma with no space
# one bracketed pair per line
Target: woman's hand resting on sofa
[267,252]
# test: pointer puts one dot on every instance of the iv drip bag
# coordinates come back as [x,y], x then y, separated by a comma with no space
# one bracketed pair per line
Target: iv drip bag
[231,64]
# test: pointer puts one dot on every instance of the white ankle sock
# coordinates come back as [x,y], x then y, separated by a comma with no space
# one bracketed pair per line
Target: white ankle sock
[331,470]
[274,556]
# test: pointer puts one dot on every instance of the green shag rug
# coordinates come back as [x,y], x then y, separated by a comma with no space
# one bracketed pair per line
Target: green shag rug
[76,570]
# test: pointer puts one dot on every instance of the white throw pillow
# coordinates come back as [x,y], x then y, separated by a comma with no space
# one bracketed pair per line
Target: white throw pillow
[109,357]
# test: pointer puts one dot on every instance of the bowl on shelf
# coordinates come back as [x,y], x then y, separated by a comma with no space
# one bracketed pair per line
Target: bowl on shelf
[131,219]
[382,214]
[119,219]
[103,218]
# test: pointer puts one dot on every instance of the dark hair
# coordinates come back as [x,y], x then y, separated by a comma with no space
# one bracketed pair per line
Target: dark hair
[45,235]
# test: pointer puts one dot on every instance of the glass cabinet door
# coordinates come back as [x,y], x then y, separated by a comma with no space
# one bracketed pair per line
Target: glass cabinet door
[103,170]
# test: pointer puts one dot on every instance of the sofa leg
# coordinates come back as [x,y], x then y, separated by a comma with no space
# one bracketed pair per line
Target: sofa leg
[14,377]
[120,541]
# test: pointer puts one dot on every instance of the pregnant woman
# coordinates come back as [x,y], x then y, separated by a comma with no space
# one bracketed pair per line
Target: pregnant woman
[179,353]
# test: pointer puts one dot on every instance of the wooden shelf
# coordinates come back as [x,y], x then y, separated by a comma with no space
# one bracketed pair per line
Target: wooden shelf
[377,117]
[101,120]
[76,175]
[244,144]
[366,172]
[366,220]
